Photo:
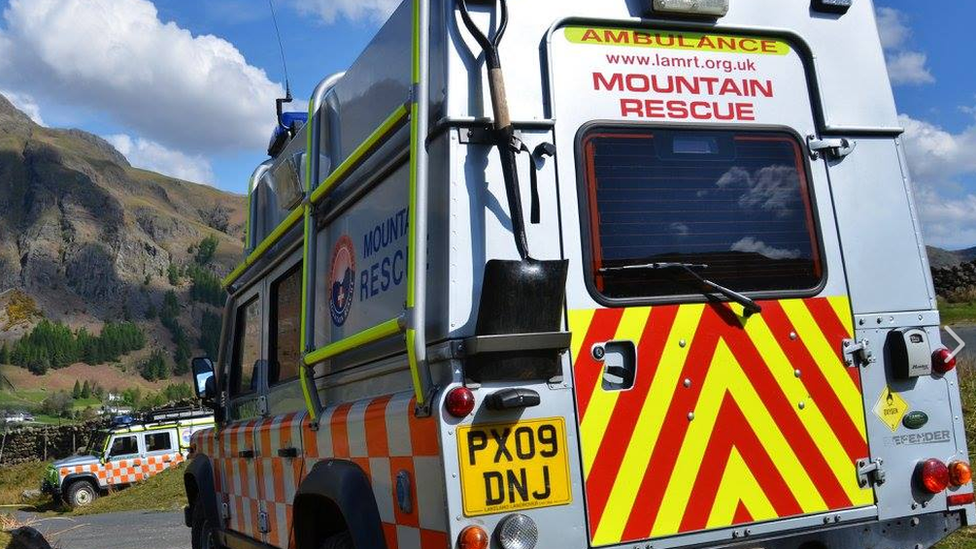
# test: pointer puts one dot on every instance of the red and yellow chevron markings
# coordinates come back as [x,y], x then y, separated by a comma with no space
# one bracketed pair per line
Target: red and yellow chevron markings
[730,420]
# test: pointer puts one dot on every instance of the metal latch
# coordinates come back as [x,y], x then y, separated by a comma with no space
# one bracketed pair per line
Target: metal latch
[858,353]
[834,149]
[263,523]
[225,511]
[870,472]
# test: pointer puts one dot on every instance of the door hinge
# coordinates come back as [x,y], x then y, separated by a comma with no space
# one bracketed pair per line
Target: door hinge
[834,149]
[870,472]
[857,352]
[263,524]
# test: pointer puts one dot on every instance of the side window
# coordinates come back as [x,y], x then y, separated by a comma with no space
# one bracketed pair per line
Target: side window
[285,352]
[159,442]
[124,446]
[247,349]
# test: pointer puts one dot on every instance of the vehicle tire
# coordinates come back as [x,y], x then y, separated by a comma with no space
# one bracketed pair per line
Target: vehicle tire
[202,532]
[81,493]
[338,541]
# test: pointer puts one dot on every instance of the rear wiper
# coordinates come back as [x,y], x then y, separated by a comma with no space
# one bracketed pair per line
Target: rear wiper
[749,305]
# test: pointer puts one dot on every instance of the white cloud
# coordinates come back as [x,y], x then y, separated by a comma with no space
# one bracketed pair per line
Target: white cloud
[908,67]
[26,103]
[893,26]
[149,155]
[116,56]
[939,160]
[376,11]
[752,245]
[905,66]
[936,156]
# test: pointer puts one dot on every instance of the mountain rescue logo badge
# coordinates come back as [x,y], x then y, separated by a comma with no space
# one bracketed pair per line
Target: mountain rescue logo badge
[343,278]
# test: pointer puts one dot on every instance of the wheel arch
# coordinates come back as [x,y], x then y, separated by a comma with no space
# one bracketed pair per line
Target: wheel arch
[198,482]
[68,480]
[335,496]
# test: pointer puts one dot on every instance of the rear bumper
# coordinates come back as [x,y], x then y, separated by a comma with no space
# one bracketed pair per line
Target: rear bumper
[920,532]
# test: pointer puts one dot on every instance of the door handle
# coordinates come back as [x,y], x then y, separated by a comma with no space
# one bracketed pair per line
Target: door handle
[288,452]
[246,454]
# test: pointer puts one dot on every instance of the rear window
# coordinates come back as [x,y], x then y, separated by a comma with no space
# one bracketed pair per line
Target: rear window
[735,203]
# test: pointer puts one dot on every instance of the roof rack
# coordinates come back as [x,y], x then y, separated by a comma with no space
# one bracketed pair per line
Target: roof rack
[184,412]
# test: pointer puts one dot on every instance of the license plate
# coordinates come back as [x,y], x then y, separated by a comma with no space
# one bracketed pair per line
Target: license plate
[513,466]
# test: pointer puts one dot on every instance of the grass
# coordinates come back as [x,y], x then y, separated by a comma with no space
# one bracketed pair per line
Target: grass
[966,538]
[17,478]
[162,492]
[957,313]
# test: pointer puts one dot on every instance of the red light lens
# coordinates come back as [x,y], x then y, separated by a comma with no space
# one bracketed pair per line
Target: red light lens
[460,402]
[473,537]
[933,476]
[943,361]
[959,473]
[960,499]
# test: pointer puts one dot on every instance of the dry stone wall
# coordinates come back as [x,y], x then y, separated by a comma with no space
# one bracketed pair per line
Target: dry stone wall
[956,283]
[22,444]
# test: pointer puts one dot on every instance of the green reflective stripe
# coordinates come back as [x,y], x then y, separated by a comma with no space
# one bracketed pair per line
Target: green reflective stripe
[265,245]
[391,124]
[416,42]
[418,389]
[374,334]
[411,253]
[302,372]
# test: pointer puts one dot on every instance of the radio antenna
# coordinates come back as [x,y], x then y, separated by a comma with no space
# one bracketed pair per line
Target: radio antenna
[281,48]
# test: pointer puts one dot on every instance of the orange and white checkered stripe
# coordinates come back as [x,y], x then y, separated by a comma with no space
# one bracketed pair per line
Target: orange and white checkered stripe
[381,435]
[125,471]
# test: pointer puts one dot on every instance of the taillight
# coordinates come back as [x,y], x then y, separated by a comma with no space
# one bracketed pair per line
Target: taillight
[933,475]
[960,499]
[943,361]
[460,402]
[959,473]
[473,537]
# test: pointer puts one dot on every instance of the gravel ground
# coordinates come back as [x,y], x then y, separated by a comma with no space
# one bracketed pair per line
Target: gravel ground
[128,530]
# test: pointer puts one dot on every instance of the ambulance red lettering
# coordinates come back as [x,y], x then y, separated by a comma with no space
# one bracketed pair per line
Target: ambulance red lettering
[683,110]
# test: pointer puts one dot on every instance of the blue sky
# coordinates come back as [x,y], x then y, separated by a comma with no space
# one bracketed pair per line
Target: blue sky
[187,88]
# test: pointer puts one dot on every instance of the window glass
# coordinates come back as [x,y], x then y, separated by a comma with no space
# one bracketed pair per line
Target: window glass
[124,446]
[247,349]
[158,442]
[286,310]
[736,204]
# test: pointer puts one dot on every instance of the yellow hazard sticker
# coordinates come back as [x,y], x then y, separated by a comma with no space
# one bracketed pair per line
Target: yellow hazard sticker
[891,408]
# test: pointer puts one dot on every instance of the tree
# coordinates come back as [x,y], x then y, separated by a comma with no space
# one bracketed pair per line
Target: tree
[59,404]
[86,390]
[177,391]
[76,392]
[206,250]
[173,275]
[209,333]
[155,368]
[171,306]
[206,287]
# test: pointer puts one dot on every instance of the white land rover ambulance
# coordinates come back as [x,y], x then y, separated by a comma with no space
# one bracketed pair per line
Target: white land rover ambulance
[668,290]
[126,454]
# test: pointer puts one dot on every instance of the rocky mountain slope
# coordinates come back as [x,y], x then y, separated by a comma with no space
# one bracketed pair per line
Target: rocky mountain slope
[939,257]
[90,238]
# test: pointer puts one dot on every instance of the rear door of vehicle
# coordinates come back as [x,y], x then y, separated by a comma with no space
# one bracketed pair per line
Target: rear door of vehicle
[695,417]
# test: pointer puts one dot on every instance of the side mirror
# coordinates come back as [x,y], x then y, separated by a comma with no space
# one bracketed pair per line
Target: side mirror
[204,384]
